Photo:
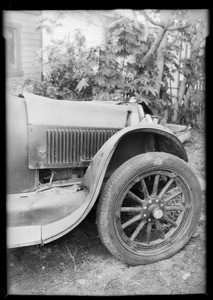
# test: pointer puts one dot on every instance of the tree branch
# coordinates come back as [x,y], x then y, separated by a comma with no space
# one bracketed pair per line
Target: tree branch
[115,22]
[135,19]
[154,46]
[178,27]
[160,61]
[156,23]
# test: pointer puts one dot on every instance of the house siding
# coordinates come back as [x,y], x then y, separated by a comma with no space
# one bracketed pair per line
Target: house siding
[30,43]
[91,23]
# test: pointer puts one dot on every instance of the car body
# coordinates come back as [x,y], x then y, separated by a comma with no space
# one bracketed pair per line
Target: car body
[61,153]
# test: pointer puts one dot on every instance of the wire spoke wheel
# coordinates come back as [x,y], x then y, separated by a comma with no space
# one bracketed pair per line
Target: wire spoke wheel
[149,208]
[152,211]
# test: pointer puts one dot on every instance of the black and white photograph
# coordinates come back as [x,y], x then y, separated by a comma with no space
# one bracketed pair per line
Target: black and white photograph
[105,151]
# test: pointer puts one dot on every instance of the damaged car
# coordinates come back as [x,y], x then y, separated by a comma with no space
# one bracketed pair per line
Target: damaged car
[65,156]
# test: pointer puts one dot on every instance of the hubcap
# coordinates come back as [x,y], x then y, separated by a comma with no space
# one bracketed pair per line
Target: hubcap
[157,213]
[153,209]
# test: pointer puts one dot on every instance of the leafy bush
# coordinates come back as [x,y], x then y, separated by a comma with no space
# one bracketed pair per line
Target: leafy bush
[116,71]
[71,71]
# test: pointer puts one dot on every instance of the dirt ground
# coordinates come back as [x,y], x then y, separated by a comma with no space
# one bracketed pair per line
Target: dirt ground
[79,264]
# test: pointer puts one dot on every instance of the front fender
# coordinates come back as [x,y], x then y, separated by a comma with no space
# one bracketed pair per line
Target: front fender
[74,207]
[95,173]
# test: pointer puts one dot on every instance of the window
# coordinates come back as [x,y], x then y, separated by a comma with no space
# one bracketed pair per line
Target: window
[13,49]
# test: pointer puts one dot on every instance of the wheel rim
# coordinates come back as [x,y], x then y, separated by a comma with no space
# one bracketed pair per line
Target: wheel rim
[153,211]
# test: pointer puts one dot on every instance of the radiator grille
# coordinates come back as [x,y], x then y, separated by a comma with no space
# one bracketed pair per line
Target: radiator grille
[74,145]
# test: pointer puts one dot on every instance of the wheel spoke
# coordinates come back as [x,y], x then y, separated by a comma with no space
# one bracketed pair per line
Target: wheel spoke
[144,189]
[167,199]
[167,219]
[131,221]
[134,197]
[137,230]
[155,186]
[163,191]
[131,209]
[174,208]
[159,229]
[148,231]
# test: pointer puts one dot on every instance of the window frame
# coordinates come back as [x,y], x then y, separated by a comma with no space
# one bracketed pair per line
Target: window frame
[16,72]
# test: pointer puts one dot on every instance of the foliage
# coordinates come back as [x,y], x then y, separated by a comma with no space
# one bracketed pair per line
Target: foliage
[193,112]
[71,71]
[118,70]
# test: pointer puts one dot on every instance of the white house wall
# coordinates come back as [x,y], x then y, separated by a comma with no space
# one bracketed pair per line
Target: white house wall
[29,41]
[92,25]
[30,37]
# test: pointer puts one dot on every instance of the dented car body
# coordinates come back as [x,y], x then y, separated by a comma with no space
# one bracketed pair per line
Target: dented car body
[61,154]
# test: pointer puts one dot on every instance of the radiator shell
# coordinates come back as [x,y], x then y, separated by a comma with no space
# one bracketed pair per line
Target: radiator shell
[64,147]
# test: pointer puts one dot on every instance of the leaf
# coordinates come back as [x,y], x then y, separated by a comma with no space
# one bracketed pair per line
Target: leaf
[82,84]
[107,71]
[110,84]
[161,102]
[186,71]
[152,90]
[149,89]
[146,101]
[119,48]
[100,80]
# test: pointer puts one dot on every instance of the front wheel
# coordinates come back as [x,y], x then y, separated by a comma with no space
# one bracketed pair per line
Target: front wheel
[149,208]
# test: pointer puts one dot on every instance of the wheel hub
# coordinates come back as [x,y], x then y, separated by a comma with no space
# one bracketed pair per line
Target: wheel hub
[153,209]
[157,213]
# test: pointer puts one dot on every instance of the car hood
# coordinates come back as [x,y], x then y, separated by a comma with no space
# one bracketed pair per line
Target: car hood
[46,111]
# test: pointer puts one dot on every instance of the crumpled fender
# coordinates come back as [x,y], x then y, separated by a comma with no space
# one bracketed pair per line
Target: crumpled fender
[95,173]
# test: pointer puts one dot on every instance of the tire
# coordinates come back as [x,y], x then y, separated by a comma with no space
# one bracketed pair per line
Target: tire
[149,208]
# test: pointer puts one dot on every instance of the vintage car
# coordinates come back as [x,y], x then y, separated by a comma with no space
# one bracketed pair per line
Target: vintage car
[65,156]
